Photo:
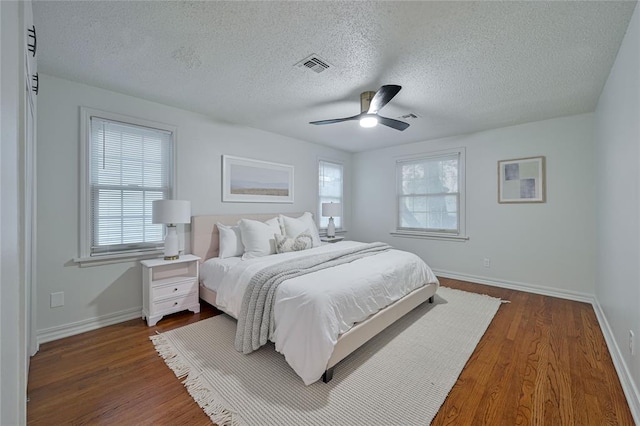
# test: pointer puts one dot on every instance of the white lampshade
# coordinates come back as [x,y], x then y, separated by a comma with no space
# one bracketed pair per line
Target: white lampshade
[171,211]
[331,209]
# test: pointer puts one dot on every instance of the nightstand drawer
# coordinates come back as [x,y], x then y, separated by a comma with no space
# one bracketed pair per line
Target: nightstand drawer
[169,286]
[187,285]
[175,304]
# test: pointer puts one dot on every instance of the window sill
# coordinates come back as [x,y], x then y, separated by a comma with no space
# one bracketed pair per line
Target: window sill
[428,235]
[107,259]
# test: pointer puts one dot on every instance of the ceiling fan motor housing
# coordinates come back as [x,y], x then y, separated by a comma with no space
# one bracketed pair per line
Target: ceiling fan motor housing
[365,100]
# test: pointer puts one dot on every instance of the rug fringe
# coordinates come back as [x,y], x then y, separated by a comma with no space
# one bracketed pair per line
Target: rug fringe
[198,388]
[206,398]
[170,356]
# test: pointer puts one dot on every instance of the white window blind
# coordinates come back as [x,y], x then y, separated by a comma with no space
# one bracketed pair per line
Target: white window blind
[130,166]
[430,193]
[330,189]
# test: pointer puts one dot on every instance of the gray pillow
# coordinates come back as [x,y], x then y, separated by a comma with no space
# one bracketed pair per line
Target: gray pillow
[302,241]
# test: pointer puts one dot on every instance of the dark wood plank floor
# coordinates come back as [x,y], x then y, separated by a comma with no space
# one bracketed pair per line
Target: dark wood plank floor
[542,361]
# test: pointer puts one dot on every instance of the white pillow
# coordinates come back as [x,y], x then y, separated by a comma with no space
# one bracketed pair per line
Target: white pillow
[274,221]
[286,244]
[294,227]
[230,241]
[258,237]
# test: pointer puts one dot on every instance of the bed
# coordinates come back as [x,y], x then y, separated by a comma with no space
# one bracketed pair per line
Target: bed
[314,359]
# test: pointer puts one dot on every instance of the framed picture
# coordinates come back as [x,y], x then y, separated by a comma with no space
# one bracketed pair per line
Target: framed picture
[253,181]
[521,180]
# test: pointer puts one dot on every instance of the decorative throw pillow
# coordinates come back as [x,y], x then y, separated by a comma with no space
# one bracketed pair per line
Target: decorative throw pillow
[230,243]
[257,237]
[285,244]
[295,226]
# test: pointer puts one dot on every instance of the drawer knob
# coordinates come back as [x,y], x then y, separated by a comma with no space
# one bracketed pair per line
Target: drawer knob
[175,289]
[175,303]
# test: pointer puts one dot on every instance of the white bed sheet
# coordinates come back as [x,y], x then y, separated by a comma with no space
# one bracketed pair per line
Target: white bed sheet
[311,311]
[213,270]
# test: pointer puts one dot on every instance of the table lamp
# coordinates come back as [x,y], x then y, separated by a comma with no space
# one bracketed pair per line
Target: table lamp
[171,212]
[330,210]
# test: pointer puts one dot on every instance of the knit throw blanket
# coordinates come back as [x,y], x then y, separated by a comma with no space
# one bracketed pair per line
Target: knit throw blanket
[255,321]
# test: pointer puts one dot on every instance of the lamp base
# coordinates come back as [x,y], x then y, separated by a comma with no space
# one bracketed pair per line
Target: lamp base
[171,248]
[331,228]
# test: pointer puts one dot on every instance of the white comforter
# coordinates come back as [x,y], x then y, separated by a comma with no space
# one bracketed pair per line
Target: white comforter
[313,310]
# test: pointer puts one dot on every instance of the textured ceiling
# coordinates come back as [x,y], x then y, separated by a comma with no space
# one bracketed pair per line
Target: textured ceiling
[463,66]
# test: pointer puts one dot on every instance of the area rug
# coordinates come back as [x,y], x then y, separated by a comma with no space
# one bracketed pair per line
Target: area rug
[400,377]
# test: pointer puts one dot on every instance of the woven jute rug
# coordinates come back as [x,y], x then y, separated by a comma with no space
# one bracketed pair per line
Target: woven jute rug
[400,377]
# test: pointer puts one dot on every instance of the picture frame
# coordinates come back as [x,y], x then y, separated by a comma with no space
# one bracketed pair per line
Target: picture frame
[246,180]
[522,180]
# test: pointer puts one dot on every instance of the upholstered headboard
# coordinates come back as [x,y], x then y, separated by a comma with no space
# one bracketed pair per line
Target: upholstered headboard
[205,236]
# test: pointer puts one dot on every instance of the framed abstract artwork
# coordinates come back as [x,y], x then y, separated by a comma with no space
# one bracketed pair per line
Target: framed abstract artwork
[521,180]
[253,181]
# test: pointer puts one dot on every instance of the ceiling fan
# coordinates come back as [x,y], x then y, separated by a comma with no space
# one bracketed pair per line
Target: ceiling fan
[370,104]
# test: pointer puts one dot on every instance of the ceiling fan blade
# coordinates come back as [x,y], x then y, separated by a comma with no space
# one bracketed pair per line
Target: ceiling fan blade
[336,120]
[395,124]
[382,97]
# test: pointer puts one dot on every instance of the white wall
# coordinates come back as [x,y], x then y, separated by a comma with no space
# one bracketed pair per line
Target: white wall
[618,202]
[103,294]
[548,247]
[13,368]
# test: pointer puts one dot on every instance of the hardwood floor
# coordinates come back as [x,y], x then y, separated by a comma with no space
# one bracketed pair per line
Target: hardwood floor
[542,361]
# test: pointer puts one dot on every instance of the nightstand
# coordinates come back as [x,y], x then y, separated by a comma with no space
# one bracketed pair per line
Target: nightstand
[169,286]
[331,240]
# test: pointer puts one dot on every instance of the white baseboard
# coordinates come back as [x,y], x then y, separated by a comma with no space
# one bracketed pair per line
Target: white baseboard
[624,375]
[514,285]
[66,330]
[626,380]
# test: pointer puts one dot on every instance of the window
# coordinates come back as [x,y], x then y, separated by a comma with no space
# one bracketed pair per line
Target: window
[329,189]
[431,194]
[129,164]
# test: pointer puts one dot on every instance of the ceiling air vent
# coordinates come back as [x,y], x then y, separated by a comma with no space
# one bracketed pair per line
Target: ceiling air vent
[314,63]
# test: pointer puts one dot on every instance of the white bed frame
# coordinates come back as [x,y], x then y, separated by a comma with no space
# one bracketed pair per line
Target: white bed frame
[204,243]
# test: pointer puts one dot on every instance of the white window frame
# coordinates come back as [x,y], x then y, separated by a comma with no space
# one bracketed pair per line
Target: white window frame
[85,185]
[460,234]
[323,229]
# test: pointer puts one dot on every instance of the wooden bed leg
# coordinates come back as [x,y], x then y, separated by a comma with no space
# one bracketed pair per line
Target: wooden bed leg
[431,299]
[328,375]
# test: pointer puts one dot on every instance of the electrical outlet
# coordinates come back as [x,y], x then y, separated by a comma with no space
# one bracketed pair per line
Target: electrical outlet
[57,299]
[486,262]
[632,343]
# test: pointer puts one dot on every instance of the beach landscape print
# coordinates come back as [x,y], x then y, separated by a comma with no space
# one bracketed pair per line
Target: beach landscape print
[521,180]
[247,180]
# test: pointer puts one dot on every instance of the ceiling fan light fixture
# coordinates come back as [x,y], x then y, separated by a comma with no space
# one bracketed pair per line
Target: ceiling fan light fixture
[369,121]
[370,104]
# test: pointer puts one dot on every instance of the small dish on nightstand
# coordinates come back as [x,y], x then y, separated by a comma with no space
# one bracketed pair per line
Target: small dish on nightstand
[331,239]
